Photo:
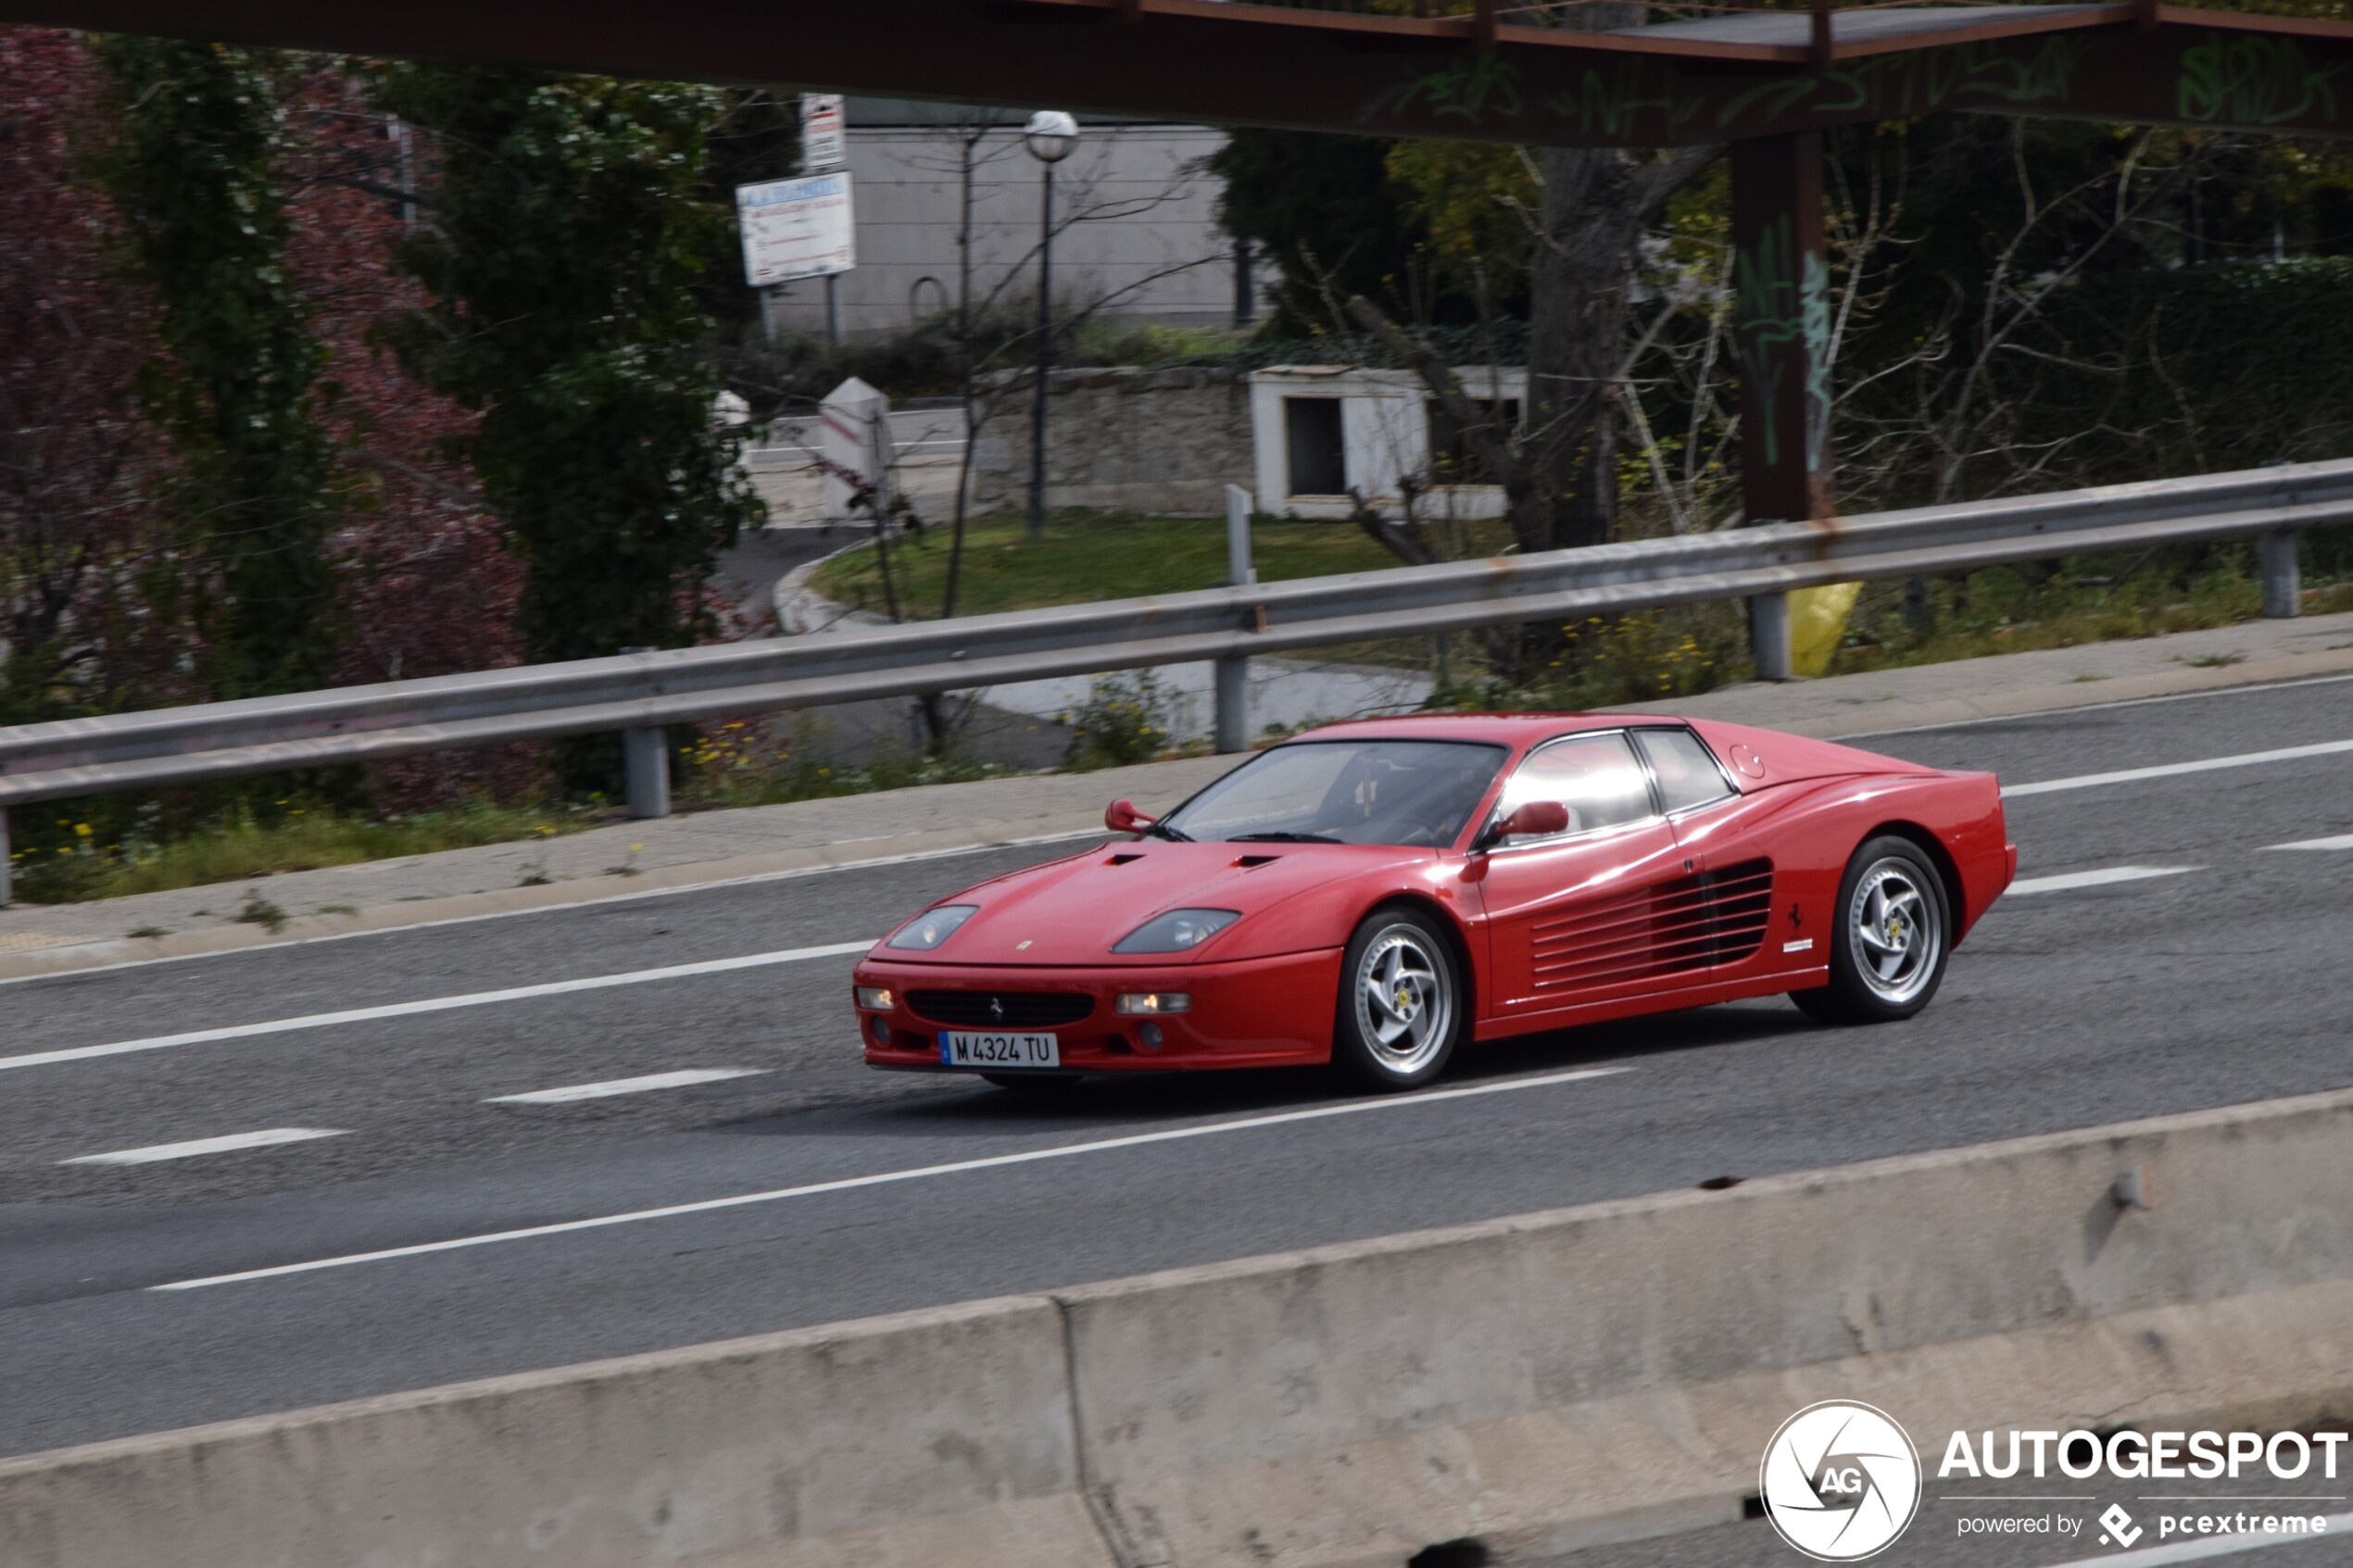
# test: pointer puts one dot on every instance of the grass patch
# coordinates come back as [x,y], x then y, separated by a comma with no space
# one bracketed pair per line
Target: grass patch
[299,841]
[1087,555]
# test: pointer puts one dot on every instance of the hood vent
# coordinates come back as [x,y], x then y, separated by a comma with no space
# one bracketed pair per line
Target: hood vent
[1122,859]
[1249,862]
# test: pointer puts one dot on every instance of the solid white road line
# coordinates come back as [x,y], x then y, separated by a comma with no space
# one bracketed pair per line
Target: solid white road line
[189,1150]
[883,1178]
[612,1086]
[2204,1547]
[2342,841]
[434,1004]
[2098,707]
[601,902]
[2171,769]
[2101,878]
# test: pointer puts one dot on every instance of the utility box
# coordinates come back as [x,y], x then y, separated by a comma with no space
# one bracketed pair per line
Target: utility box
[854,441]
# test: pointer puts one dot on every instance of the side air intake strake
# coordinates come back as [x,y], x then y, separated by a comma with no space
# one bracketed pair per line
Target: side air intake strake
[1690,922]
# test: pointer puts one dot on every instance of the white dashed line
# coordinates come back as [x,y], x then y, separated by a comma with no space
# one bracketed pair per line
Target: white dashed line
[2342,841]
[2171,769]
[885,1178]
[612,1086]
[194,1146]
[2101,878]
[434,1004]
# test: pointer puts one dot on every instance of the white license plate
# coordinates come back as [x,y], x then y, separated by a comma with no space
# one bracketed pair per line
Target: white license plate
[964,1048]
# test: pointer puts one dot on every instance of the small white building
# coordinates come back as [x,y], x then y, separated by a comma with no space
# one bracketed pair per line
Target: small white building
[1319,431]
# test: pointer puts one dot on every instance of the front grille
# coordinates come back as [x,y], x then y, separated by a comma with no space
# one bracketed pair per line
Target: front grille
[1014,1010]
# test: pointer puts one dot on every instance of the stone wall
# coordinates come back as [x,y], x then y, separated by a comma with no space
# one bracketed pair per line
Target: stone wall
[1154,441]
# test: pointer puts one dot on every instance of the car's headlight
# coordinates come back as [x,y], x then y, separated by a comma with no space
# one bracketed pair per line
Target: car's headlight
[931,928]
[875,996]
[1177,931]
[1147,1003]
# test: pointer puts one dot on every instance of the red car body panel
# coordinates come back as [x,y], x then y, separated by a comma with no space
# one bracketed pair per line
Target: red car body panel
[1735,898]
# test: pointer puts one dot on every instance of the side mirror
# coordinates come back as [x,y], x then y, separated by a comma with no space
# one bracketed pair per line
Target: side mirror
[1537,818]
[1121,816]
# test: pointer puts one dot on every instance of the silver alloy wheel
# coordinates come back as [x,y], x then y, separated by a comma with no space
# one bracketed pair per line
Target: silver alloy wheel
[1896,930]
[1404,999]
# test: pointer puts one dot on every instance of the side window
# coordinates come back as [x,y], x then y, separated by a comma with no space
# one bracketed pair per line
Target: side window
[1595,776]
[1687,773]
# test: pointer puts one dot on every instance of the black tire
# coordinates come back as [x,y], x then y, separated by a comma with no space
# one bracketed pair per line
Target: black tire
[1400,1034]
[1037,1086]
[1891,938]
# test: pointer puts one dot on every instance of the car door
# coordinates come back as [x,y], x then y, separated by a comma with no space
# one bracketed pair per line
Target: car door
[1720,921]
[1570,918]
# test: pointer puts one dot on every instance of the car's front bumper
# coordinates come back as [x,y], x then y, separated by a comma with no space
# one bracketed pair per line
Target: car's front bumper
[1246,1012]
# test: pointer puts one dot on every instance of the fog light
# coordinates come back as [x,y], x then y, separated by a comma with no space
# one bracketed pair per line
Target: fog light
[1151,1002]
[882,1031]
[1148,1035]
[875,996]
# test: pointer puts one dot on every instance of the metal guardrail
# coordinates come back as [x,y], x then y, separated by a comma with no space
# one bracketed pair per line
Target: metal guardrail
[640,693]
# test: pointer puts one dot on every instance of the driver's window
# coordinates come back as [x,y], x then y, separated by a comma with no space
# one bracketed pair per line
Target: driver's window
[1595,776]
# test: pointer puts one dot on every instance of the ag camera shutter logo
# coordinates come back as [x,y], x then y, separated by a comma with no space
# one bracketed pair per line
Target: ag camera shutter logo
[1840,1481]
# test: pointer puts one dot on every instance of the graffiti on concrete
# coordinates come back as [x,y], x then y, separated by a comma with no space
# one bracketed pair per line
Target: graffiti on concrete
[1470,88]
[1899,86]
[1781,321]
[1610,100]
[2254,80]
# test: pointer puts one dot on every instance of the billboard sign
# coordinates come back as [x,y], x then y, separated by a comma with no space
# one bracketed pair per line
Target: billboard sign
[799,228]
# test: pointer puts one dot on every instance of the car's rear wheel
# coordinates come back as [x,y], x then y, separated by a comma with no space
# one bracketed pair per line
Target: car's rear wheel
[1035,1085]
[1892,940]
[1402,1001]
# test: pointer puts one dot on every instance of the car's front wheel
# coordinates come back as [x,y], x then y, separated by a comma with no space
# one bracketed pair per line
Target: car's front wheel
[1894,935]
[1402,1001]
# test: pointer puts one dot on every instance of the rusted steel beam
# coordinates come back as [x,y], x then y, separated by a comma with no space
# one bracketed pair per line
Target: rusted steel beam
[1382,74]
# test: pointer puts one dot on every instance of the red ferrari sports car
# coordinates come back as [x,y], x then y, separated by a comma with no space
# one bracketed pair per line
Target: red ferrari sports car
[1378,894]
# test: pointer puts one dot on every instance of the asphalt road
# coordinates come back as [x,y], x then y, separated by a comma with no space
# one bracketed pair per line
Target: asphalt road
[2218,982]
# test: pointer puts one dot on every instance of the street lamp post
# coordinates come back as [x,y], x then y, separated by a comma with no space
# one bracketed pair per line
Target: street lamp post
[1050,136]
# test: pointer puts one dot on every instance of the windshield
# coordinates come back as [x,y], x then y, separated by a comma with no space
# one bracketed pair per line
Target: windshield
[1406,792]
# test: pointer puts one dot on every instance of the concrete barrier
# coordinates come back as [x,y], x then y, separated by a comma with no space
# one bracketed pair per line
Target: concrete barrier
[1537,1383]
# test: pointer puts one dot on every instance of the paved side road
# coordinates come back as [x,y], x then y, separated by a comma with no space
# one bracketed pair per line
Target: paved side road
[658,1131]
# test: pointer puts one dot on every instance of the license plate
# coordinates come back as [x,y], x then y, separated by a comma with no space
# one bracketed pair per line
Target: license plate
[964,1048]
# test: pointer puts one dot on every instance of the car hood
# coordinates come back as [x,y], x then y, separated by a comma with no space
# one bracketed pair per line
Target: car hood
[1072,911]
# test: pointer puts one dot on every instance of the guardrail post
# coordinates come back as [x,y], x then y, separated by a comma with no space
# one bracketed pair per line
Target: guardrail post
[2275,558]
[1768,635]
[7,866]
[1233,675]
[645,758]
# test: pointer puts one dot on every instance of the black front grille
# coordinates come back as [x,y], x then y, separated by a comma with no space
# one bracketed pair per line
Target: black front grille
[1001,1009]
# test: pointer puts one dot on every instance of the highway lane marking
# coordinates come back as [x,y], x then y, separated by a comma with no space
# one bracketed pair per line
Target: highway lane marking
[2173,770]
[2029,887]
[601,902]
[2342,841]
[886,1178]
[434,1004]
[2093,708]
[2198,1551]
[612,1086]
[267,1138]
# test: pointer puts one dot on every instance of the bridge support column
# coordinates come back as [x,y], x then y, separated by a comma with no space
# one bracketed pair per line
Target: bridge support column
[1781,339]
[2275,560]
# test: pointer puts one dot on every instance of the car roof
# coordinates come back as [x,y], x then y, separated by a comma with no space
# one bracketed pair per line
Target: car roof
[1506,729]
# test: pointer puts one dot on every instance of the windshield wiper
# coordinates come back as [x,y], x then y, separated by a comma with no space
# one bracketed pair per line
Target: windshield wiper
[1161,830]
[1284,837]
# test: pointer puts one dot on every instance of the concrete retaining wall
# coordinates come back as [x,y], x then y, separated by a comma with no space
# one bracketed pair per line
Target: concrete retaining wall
[1156,441]
[1539,1382]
